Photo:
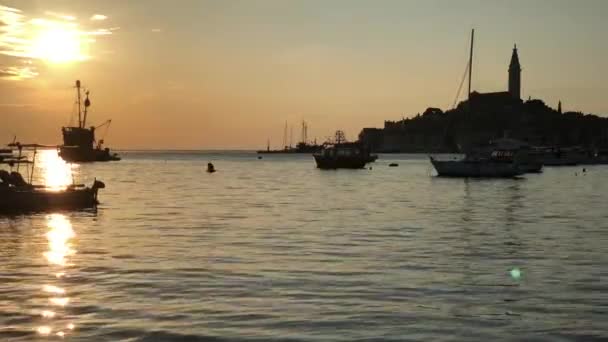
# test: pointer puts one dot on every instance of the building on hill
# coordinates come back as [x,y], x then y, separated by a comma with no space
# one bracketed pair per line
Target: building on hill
[486,116]
[490,101]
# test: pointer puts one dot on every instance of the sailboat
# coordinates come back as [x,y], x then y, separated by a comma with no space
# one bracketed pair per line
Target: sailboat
[304,146]
[496,162]
[79,143]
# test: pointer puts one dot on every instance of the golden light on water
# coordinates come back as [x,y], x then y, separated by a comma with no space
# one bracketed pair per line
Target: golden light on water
[53,289]
[59,301]
[48,314]
[59,237]
[56,173]
[44,330]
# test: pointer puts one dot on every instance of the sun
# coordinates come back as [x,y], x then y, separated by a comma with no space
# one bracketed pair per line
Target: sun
[58,44]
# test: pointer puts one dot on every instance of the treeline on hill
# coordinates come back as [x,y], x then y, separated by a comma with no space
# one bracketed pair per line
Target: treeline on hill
[451,131]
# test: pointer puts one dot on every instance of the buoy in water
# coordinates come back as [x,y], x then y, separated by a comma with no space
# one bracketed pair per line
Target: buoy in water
[210,168]
[393,165]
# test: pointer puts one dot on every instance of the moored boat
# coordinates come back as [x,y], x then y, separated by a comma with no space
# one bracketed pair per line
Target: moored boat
[343,155]
[79,143]
[18,195]
[468,167]
[527,160]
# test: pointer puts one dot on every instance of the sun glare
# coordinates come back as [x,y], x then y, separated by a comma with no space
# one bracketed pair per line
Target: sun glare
[58,43]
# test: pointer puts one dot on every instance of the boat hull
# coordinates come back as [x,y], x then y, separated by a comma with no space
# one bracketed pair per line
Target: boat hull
[531,167]
[85,155]
[338,162]
[35,200]
[465,168]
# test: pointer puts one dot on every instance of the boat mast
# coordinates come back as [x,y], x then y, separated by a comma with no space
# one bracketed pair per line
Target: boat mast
[290,136]
[285,136]
[471,61]
[80,124]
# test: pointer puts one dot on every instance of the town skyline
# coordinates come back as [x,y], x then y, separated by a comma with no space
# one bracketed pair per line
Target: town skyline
[211,75]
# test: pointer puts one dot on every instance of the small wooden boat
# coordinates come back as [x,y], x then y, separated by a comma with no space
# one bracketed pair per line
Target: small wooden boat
[343,155]
[20,196]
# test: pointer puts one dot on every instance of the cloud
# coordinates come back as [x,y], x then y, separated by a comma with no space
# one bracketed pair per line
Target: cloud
[9,9]
[27,42]
[98,17]
[156,30]
[18,73]
[60,15]
[17,105]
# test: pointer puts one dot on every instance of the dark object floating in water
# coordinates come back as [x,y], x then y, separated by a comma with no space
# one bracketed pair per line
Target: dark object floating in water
[393,165]
[79,143]
[210,168]
[477,167]
[259,157]
[343,155]
[20,196]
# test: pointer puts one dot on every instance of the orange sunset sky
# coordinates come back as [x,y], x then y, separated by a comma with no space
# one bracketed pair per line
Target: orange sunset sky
[229,74]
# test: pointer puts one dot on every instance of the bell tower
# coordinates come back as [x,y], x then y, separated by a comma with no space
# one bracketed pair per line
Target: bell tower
[515,75]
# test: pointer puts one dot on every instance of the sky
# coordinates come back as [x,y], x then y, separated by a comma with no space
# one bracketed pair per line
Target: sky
[228,74]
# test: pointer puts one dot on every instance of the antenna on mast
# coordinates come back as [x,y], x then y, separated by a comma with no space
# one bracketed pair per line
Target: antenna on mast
[79,110]
[471,60]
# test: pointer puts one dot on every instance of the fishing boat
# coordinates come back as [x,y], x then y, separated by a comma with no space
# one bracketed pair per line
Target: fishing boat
[79,143]
[341,154]
[18,195]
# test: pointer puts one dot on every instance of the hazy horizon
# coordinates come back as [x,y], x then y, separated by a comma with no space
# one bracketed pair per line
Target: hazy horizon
[210,75]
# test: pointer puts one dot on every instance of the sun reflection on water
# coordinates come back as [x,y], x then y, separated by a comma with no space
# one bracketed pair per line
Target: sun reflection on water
[56,173]
[60,249]
[59,237]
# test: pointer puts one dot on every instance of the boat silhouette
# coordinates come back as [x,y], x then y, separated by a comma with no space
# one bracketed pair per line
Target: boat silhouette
[79,143]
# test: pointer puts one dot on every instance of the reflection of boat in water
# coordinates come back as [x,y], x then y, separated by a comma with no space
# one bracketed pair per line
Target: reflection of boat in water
[79,144]
[343,155]
[18,195]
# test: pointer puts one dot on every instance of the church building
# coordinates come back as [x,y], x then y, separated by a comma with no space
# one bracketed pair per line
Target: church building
[480,101]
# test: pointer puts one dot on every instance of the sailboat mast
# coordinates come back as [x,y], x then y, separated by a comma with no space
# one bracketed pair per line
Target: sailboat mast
[285,136]
[471,61]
